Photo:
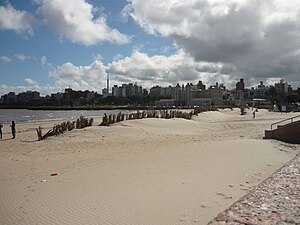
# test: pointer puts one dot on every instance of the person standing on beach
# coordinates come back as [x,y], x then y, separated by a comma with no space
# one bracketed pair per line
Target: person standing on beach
[1,130]
[13,129]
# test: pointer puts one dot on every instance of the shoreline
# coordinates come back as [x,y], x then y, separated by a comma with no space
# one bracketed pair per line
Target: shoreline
[61,107]
[149,171]
[111,107]
[67,108]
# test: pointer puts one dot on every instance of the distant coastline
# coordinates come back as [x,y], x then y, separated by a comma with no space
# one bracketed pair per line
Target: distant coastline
[78,107]
[106,107]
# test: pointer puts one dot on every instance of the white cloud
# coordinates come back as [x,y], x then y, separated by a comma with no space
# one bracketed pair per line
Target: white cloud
[260,39]
[138,67]
[91,77]
[271,81]
[141,68]
[125,13]
[43,89]
[43,60]
[30,81]
[74,20]
[164,70]
[19,21]
[45,64]
[22,57]
[4,89]
[5,59]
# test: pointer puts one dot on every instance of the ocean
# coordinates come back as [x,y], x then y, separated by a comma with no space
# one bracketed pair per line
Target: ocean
[25,115]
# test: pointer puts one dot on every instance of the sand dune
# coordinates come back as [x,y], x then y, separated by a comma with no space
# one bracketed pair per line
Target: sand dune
[150,171]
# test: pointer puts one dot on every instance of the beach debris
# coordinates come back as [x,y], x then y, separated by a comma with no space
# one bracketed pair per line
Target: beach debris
[83,122]
[57,129]
[39,133]
[224,195]
[104,120]
[41,136]
[203,206]
[243,112]
[245,189]
[162,114]
[53,174]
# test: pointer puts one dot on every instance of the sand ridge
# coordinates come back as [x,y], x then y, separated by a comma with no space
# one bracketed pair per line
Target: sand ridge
[151,171]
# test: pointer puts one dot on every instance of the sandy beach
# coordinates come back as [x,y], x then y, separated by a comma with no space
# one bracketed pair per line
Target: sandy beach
[150,171]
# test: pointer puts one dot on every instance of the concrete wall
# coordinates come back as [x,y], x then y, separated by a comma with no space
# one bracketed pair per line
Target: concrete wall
[287,133]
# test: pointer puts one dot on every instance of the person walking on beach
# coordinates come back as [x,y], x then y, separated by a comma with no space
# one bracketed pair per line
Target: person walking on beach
[1,130]
[255,111]
[13,129]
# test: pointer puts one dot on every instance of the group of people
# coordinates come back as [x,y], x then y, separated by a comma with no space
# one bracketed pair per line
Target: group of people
[13,129]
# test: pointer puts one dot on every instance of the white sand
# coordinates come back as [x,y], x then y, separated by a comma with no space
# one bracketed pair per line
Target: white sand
[150,171]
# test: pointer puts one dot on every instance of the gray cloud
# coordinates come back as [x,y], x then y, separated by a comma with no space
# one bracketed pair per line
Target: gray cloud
[257,39]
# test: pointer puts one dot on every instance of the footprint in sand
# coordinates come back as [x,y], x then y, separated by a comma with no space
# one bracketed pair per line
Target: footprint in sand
[224,195]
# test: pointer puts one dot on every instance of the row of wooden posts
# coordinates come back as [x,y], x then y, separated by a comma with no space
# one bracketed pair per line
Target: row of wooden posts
[164,114]
[107,120]
[57,129]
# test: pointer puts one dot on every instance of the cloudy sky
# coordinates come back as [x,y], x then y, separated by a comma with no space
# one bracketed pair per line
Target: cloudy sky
[48,45]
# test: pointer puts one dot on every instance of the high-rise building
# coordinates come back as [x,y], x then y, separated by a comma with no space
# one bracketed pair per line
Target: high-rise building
[127,90]
[240,86]
[25,97]
[282,87]
[11,98]
[200,85]
[155,91]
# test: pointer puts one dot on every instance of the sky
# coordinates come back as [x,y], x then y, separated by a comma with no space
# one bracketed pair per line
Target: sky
[49,45]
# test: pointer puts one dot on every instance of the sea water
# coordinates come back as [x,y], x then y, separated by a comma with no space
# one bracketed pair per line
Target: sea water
[25,115]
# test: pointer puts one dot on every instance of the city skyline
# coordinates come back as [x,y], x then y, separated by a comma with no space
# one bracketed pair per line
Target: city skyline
[50,45]
[240,85]
[181,95]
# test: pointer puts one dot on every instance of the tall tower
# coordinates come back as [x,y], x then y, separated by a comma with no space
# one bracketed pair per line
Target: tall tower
[107,83]
[240,86]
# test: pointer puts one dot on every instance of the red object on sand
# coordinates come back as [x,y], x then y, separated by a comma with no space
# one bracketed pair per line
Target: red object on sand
[53,174]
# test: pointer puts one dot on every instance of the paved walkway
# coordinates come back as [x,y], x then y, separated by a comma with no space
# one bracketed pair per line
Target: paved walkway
[275,201]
